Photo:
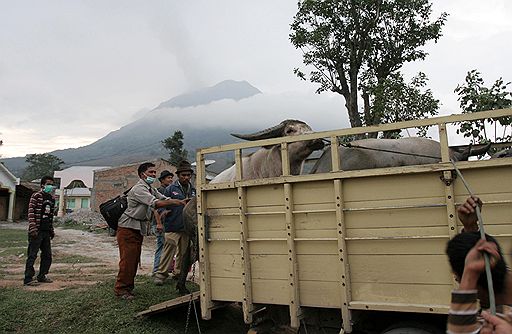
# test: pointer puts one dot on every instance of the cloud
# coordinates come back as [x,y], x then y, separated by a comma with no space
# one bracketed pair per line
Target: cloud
[321,112]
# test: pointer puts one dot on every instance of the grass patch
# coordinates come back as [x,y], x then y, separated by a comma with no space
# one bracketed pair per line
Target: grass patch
[74,225]
[13,237]
[13,251]
[72,258]
[95,309]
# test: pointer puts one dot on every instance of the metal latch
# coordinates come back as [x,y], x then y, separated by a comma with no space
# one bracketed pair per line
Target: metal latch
[448,181]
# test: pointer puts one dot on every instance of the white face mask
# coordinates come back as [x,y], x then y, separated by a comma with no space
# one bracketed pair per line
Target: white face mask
[149,179]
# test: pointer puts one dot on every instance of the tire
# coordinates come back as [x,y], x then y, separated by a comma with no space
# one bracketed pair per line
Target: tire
[412,328]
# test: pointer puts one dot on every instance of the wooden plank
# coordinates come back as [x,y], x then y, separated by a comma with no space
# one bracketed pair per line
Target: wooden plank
[335,154]
[267,291]
[227,289]
[344,276]
[400,307]
[224,248]
[313,192]
[266,223]
[293,274]
[222,199]
[315,221]
[386,187]
[265,196]
[226,265]
[410,170]
[246,281]
[285,159]
[401,293]
[204,267]
[396,218]
[317,247]
[448,178]
[311,269]
[434,269]
[397,247]
[497,180]
[397,232]
[320,294]
[169,304]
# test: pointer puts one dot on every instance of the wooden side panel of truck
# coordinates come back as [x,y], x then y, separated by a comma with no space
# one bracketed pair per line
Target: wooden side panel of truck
[350,240]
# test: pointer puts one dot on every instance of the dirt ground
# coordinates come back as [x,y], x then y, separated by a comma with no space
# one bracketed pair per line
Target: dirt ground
[79,258]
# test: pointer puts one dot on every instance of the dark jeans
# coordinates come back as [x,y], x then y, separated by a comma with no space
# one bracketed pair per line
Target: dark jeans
[41,242]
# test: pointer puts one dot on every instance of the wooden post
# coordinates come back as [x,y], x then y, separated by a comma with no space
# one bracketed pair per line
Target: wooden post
[204,265]
[346,294]
[293,279]
[285,159]
[335,154]
[448,180]
[247,304]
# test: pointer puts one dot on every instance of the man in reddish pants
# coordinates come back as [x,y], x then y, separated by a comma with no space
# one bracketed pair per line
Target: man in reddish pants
[142,199]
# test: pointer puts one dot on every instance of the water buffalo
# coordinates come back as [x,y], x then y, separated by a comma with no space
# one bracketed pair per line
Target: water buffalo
[379,153]
[506,153]
[266,162]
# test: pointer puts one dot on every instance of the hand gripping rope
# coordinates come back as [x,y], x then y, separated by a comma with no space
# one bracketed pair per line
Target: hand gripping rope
[490,286]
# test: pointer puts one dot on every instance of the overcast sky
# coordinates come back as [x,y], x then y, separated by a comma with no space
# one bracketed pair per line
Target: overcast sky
[72,71]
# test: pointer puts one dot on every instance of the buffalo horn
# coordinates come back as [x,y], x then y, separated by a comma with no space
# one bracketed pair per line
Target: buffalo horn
[469,151]
[272,132]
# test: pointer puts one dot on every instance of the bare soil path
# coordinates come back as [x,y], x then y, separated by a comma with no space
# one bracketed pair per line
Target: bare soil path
[79,258]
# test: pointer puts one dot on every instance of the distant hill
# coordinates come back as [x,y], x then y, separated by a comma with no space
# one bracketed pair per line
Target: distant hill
[141,139]
[228,89]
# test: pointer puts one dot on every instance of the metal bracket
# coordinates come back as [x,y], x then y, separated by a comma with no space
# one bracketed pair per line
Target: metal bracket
[448,181]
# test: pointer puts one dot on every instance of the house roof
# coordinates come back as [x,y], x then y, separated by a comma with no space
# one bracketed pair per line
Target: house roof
[75,192]
[7,178]
[82,173]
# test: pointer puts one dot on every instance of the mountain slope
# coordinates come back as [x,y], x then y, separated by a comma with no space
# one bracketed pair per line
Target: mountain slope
[122,146]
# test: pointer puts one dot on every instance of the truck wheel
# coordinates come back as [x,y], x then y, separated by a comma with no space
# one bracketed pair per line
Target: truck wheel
[412,328]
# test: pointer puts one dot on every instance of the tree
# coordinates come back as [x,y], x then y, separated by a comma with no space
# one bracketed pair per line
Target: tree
[474,96]
[40,165]
[393,100]
[174,145]
[354,45]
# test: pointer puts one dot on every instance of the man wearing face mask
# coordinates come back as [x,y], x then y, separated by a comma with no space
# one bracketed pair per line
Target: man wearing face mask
[142,200]
[176,240]
[40,232]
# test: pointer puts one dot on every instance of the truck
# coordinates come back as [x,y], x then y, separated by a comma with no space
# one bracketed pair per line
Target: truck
[352,251]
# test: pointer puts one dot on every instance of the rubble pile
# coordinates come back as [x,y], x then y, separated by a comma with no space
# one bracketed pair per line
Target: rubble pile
[84,217]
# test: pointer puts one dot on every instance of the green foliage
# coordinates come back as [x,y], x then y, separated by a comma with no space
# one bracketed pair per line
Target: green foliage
[40,165]
[347,42]
[474,96]
[393,100]
[174,145]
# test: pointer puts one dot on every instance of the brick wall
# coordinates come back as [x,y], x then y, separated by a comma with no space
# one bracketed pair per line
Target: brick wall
[108,183]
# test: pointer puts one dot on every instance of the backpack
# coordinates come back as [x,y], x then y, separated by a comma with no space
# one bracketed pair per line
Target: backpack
[112,209]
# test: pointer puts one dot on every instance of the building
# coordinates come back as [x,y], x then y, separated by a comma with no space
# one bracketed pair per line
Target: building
[8,184]
[111,182]
[75,185]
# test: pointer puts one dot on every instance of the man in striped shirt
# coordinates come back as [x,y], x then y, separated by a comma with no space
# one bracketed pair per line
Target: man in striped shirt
[465,253]
[40,231]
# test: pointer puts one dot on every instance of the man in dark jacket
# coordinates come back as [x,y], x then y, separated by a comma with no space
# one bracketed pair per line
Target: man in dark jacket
[176,241]
[165,179]
[40,231]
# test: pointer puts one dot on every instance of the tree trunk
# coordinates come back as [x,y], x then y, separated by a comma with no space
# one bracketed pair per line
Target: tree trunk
[367,114]
[353,112]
